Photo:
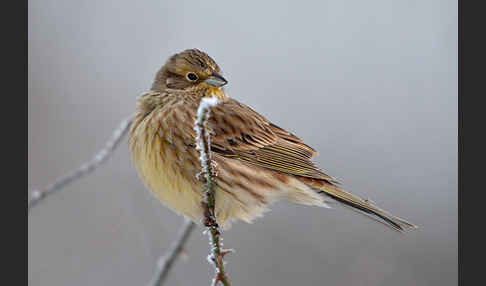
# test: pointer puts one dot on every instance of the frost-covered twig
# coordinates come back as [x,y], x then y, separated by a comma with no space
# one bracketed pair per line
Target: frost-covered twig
[166,261]
[88,167]
[203,143]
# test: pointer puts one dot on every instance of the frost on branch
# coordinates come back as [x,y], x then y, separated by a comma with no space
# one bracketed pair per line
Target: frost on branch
[203,140]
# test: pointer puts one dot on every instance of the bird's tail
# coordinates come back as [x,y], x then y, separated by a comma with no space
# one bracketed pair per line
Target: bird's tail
[362,206]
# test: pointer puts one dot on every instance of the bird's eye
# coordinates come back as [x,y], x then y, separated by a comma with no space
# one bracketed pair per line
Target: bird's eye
[192,76]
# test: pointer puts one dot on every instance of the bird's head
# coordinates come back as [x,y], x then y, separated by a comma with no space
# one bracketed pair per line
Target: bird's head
[189,69]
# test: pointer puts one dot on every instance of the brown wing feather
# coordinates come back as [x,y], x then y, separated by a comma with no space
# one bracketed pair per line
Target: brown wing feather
[239,132]
[284,134]
[242,133]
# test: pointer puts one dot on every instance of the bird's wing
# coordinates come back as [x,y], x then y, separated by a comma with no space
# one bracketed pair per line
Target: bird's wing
[241,133]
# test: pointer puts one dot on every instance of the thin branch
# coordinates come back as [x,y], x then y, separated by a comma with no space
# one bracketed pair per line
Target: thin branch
[88,167]
[203,143]
[166,261]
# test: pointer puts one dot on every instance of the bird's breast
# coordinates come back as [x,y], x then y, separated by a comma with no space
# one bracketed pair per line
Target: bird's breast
[166,165]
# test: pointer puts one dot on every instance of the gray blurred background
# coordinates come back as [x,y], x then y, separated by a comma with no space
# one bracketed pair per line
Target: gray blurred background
[372,85]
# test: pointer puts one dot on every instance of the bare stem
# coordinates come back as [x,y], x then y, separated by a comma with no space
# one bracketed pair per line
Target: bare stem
[203,143]
[166,261]
[88,167]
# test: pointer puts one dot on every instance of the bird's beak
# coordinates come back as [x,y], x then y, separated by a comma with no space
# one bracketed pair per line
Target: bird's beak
[216,80]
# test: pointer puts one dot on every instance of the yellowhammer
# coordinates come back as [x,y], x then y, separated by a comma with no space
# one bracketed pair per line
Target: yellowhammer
[256,161]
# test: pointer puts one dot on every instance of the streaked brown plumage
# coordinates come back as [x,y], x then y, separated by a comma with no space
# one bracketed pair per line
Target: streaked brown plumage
[256,161]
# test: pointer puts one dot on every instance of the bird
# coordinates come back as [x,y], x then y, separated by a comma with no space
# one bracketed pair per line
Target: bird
[256,162]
